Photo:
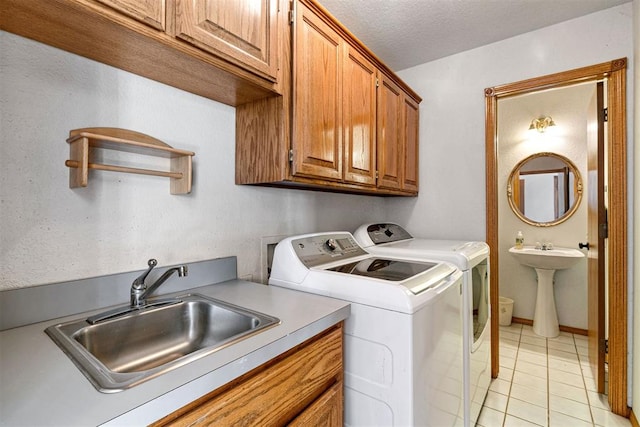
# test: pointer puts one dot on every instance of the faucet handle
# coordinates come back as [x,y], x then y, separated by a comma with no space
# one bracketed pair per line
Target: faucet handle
[139,282]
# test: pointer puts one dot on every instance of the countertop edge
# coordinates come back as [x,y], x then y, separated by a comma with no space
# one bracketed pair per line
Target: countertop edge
[26,354]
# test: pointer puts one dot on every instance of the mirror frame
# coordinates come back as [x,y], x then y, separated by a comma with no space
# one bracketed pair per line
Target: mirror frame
[615,71]
[577,190]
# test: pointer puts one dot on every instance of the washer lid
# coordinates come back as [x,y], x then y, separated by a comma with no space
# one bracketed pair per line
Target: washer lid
[416,276]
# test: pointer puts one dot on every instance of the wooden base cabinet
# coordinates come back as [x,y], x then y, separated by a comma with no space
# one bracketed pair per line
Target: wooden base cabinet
[343,124]
[303,387]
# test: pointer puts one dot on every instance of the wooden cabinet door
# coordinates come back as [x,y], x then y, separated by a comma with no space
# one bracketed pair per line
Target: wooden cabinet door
[326,411]
[243,31]
[411,142]
[317,98]
[307,382]
[359,117]
[390,126]
[150,12]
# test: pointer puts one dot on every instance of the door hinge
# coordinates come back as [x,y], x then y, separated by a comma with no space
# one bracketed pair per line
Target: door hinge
[604,227]
[606,346]
[376,174]
[292,13]
[377,82]
[605,114]
[291,156]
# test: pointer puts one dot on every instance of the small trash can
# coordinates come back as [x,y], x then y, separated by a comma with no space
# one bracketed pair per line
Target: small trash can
[506,311]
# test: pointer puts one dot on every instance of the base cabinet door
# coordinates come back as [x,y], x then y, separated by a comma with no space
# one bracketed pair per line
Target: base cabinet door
[325,411]
[243,31]
[303,384]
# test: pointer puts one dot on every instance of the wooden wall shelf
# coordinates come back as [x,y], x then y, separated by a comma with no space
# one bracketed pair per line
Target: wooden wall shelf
[83,141]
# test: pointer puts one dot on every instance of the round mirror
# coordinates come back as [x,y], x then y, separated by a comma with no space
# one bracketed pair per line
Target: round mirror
[544,189]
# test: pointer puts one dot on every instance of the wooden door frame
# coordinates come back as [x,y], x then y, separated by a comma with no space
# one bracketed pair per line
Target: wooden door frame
[615,72]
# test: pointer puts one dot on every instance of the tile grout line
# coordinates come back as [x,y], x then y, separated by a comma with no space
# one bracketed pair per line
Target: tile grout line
[546,342]
[513,373]
[584,382]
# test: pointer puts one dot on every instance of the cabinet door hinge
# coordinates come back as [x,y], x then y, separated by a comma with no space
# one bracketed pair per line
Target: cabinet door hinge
[376,174]
[291,156]
[377,82]
[605,114]
[606,346]
[292,11]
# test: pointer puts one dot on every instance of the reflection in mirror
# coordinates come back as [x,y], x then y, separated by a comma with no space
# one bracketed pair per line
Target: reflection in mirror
[544,189]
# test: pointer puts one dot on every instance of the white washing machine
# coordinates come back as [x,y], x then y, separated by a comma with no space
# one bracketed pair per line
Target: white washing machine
[403,340]
[387,239]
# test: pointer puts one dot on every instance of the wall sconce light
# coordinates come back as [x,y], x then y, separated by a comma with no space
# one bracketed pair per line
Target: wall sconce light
[541,124]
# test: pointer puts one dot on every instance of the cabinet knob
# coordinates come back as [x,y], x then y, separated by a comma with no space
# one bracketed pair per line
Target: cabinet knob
[583,245]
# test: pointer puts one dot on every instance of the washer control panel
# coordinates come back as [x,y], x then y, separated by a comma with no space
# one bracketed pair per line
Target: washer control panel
[325,248]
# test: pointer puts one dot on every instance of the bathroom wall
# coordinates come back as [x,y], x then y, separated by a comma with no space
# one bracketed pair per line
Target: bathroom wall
[51,233]
[569,108]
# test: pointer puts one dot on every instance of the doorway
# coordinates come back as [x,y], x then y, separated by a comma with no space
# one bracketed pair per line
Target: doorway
[615,74]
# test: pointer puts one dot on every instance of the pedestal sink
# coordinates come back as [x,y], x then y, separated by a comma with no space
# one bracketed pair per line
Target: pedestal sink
[546,262]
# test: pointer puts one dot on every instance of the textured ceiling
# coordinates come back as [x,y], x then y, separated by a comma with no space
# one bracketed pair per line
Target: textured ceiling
[404,33]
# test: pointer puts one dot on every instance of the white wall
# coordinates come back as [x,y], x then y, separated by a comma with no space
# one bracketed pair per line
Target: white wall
[51,233]
[452,158]
[452,163]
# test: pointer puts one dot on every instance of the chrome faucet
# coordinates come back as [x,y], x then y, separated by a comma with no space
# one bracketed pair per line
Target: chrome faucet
[140,291]
[545,246]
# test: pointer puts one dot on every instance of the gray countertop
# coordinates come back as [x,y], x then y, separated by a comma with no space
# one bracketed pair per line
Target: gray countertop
[39,385]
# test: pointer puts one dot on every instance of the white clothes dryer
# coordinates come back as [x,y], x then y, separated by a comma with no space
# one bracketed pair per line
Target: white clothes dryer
[403,349]
[472,258]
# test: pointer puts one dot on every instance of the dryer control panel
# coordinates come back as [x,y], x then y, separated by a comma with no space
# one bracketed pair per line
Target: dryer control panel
[387,233]
[325,248]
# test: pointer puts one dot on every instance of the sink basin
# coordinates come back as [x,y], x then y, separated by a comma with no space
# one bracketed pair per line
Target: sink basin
[552,259]
[123,351]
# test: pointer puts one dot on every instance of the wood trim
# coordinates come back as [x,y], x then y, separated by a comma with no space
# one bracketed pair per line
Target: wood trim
[615,71]
[617,245]
[491,137]
[565,78]
[570,329]
[633,419]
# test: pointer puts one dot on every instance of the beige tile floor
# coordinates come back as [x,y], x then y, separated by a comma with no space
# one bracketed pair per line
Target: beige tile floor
[544,382]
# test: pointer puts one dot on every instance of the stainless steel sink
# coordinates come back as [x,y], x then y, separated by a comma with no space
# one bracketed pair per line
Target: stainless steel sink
[125,350]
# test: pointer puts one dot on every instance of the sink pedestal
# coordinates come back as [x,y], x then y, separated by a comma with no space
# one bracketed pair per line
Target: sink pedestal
[545,317]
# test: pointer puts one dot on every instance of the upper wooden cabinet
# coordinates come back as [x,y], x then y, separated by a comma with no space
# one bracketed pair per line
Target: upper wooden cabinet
[345,122]
[225,50]
[243,31]
[150,12]
[360,79]
[317,99]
